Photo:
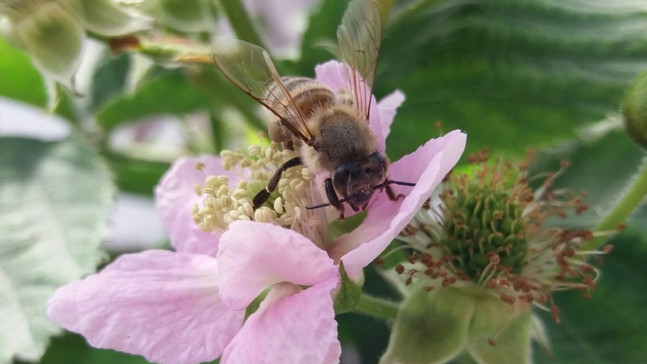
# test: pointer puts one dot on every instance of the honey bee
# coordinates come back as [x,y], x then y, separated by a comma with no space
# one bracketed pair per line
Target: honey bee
[329,130]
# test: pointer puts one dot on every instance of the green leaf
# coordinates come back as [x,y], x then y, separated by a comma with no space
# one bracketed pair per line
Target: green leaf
[54,203]
[136,175]
[20,80]
[611,157]
[73,349]
[170,93]
[109,80]
[320,35]
[510,73]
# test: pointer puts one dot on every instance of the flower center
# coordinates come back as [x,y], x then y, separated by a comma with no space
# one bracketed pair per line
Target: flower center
[484,218]
[223,203]
[488,228]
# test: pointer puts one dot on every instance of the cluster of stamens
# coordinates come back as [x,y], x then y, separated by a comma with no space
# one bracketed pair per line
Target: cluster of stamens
[221,204]
[488,230]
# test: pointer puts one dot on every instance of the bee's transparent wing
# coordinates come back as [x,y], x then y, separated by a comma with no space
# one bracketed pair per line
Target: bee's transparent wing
[360,37]
[250,68]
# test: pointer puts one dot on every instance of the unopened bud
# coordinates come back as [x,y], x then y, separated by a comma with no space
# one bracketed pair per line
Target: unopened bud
[634,110]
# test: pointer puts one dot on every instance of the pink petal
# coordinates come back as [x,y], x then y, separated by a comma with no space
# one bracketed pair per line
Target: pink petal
[427,166]
[160,304]
[62,307]
[255,255]
[387,108]
[290,326]
[333,74]
[175,196]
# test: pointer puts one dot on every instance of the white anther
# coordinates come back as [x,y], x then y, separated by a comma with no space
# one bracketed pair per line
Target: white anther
[224,202]
[254,150]
[307,174]
[283,183]
[231,216]
[278,205]
[222,191]
[247,208]
[246,163]
[239,193]
[264,214]
[297,213]
[197,188]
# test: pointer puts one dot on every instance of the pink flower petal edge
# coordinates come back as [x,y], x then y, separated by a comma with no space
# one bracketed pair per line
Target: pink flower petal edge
[163,305]
[175,196]
[387,108]
[255,255]
[291,326]
[427,166]
[333,74]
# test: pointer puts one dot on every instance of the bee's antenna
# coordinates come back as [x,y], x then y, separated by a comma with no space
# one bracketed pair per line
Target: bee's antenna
[324,204]
[392,182]
[317,206]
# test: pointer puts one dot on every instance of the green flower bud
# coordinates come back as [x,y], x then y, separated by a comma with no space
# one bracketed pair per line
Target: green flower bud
[53,31]
[433,327]
[186,16]
[499,332]
[634,110]
[105,18]
[52,37]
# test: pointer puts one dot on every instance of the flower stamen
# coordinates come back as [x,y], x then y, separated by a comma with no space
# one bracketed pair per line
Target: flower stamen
[491,224]
[223,203]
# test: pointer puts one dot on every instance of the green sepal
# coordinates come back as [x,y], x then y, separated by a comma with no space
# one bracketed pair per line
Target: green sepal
[349,292]
[506,326]
[431,327]
[106,18]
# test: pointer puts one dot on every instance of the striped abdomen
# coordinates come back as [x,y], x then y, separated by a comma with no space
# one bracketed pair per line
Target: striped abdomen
[307,94]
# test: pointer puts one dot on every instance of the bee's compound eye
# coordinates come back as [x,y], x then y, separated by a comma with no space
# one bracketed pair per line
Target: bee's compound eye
[340,178]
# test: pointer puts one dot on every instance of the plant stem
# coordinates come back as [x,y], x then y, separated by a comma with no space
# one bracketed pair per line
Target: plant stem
[633,196]
[377,307]
[240,22]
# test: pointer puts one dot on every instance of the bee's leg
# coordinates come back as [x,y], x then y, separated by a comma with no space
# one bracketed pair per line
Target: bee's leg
[391,194]
[332,197]
[263,195]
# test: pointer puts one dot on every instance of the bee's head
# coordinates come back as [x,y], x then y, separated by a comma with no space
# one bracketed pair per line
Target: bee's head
[356,181]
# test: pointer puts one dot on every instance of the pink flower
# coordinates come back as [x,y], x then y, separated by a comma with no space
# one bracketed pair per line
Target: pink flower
[188,306]
[163,305]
